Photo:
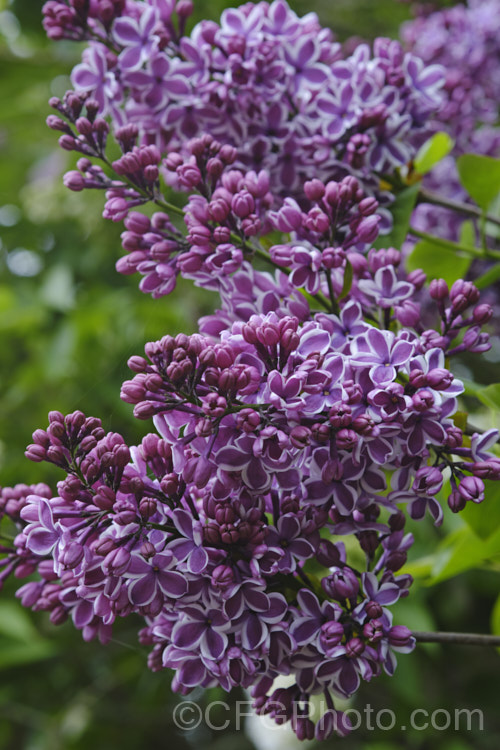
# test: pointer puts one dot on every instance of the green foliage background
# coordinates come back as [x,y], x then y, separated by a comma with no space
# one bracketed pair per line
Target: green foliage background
[65,335]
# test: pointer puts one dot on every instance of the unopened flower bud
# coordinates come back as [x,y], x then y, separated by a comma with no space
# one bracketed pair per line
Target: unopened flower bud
[438,289]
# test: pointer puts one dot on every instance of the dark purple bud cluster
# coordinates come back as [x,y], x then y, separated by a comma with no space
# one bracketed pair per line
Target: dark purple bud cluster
[79,20]
[82,129]
[152,246]
[63,20]
[200,166]
[140,166]
[458,319]
[229,211]
[341,218]
[229,208]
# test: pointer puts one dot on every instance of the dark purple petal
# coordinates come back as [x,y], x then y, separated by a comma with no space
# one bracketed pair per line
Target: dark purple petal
[125,32]
[41,541]
[188,634]
[213,644]
[142,590]
[197,561]
[191,672]
[172,584]
[253,632]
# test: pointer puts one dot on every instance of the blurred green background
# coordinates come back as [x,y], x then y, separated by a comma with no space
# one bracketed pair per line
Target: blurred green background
[68,323]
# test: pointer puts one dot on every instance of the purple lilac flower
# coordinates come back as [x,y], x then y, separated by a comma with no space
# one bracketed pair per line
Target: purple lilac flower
[463,39]
[385,290]
[383,353]
[229,79]
[92,75]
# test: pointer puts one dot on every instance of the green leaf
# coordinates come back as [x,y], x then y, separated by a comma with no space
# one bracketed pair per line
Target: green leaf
[456,744]
[432,151]
[480,176]
[471,388]
[13,654]
[420,568]
[20,642]
[438,262]
[463,550]
[490,396]
[468,233]
[401,211]
[460,419]
[57,290]
[15,622]
[484,518]
[411,609]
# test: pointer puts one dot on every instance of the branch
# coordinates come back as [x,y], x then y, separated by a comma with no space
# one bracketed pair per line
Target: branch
[426,196]
[475,252]
[467,639]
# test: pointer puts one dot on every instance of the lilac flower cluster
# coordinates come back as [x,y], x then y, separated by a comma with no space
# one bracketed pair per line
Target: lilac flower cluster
[271,84]
[341,218]
[226,214]
[290,122]
[227,208]
[213,578]
[266,435]
[463,39]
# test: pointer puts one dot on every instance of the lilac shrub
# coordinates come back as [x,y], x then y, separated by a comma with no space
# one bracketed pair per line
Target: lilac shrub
[315,404]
